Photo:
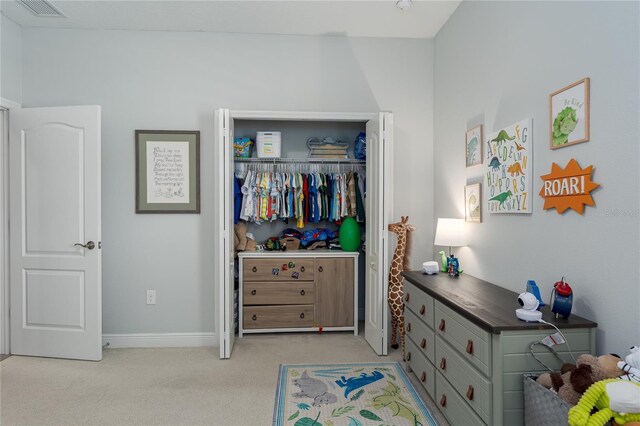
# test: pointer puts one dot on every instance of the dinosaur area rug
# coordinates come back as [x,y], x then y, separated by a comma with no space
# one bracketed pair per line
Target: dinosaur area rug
[348,394]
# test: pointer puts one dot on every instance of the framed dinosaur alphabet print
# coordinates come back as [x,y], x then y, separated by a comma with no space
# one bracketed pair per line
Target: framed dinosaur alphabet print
[569,114]
[473,142]
[507,160]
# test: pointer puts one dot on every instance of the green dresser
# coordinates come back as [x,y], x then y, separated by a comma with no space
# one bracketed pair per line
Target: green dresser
[469,351]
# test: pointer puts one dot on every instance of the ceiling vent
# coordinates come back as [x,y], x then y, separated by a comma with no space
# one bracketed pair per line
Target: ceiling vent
[42,8]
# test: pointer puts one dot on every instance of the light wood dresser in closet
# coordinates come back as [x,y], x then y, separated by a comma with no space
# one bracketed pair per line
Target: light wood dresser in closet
[298,291]
[469,351]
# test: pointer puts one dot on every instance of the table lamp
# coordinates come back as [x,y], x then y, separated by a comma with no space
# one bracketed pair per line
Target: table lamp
[450,232]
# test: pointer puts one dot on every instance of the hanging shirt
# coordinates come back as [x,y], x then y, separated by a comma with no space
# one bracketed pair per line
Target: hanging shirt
[237,200]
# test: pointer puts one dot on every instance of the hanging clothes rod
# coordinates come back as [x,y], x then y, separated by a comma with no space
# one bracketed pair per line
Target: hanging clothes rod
[298,160]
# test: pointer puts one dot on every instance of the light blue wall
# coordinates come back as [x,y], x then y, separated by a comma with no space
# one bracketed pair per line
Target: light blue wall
[171,80]
[496,63]
[10,60]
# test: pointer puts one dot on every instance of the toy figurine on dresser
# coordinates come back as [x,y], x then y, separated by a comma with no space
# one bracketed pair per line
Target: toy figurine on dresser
[399,263]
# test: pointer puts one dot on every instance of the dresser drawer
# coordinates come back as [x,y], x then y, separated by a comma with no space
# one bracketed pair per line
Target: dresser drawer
[420,334]
[285,293]
[421,367]
[278,269]
[470,384]
[453,406]
[284,316]
[468,339]
[419,302]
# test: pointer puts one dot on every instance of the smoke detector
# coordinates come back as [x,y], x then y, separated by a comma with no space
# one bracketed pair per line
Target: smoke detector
[403,4]
[42,8]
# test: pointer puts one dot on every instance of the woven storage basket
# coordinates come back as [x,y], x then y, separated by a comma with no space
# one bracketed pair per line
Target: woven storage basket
[543,407]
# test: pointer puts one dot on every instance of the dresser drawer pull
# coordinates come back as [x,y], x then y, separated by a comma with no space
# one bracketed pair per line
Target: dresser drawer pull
[408,356]
[409,328]
[407,297]
[254,269]
[302,269]
[443,400]
[443,363]
[442,325]
[253,292]
[470,393]
[422,309]
[255,317]
[470,346]
[423,344]
[302,315]
[319,269]
[302,293]
[423,378]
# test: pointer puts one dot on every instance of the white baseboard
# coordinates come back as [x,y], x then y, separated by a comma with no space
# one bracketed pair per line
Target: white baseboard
[160,340]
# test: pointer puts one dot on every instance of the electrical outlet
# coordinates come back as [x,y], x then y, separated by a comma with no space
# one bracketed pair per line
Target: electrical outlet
[151,297]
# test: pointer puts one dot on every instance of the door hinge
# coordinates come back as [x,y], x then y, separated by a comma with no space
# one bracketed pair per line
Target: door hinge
[225,234]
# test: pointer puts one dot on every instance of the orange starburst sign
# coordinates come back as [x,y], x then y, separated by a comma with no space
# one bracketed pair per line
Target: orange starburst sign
[568,188]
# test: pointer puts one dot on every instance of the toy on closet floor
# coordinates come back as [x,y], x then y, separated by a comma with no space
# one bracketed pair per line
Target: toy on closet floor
[399,263]
[613,398]
[574,380]
[631,365]
[243,240]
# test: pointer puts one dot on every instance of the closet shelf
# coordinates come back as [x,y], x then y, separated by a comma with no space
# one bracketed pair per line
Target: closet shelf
[298,160]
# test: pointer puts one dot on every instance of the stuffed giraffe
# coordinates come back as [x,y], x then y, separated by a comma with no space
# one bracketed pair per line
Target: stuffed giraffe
[399,263]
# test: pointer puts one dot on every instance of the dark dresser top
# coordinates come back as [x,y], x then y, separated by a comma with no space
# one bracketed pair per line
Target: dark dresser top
[487,305]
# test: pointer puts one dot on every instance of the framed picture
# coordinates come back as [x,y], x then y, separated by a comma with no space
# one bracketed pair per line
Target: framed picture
[472,203]
[473,143]
[167,171]
[569,114]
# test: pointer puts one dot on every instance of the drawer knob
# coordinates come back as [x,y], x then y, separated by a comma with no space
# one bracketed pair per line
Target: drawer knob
[443,400]
[423,344]
[442,325]
[470,346]
[302,293]
[253,292]
[443,363]
[407,297]
[409,328]
[408,356]
[302,315]
[423,378]
[302,269]
[254,269]
[319,269]
[470,393]
[422,309]
[255,317]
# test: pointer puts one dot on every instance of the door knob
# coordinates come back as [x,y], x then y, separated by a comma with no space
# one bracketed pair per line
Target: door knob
[90,245]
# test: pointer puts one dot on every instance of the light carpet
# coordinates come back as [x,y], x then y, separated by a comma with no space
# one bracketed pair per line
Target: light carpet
[348,394]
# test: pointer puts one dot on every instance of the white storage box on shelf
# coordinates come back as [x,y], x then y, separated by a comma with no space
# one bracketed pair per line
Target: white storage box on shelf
[268,144]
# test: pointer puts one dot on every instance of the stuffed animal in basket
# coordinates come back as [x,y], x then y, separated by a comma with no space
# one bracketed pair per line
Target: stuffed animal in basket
[573,382]
[614,398]
[631,365]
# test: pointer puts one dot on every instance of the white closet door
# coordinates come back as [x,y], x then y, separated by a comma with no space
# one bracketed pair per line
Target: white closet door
[377,204]
[224,231]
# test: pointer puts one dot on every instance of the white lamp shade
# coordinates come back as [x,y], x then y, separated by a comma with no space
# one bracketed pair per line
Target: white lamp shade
[450,232]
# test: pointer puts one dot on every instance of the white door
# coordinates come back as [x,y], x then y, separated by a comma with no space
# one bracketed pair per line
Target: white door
[225,232]
[55,232]
[377,204]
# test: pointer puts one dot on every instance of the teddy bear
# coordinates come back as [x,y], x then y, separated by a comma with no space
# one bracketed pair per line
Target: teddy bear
[243,241]
[572,382]
[613,398]
[631,365]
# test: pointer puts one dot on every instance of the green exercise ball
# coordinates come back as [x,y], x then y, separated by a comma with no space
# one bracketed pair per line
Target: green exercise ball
[350,234]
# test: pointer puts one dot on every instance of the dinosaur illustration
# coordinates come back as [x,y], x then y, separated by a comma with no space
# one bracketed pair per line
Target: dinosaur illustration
[503,136]
[495,163]
[314,389]
[515,169]
[501,197]
[519,147]
[353,383]
[471,150]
